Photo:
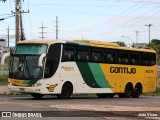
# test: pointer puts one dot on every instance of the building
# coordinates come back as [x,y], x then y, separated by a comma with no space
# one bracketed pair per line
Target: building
[3,47]
[139,45]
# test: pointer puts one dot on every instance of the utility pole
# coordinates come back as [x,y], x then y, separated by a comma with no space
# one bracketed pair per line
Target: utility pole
[8,35]
[137,34]
[17,12]
[149,31]
[82,36]
[42,31]
[56,27]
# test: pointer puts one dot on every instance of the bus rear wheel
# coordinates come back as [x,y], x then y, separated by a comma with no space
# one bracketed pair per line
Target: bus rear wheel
[137,91]
[66,92]
[36,95]
[128,92]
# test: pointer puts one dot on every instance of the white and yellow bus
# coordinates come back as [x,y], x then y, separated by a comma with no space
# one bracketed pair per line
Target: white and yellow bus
[63,68]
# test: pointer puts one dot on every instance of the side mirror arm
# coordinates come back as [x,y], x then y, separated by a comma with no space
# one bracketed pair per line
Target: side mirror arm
[41,59]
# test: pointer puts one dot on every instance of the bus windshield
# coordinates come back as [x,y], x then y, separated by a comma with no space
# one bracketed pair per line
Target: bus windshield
[25,67]
[31,49]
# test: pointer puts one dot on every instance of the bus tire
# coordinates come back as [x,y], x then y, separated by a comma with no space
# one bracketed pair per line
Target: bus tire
[66,92]
[128,91]
[36,95]
[137,91]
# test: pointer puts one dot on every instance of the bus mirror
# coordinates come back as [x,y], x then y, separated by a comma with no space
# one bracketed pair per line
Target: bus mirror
[4,58]
[40,61]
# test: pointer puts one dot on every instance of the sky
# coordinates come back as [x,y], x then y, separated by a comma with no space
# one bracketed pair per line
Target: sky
[102,20]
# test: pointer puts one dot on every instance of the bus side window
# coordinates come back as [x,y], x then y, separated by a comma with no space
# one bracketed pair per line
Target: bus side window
[134,58]
[68,53]
[83,54]
[110,56]
[97,55]
[152,59]
[123,57]
[144,59]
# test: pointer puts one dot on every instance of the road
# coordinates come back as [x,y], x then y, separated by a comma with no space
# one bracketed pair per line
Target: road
[123,108]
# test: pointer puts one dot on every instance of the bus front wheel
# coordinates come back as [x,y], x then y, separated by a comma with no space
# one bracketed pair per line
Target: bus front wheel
[66,92]
[36,95]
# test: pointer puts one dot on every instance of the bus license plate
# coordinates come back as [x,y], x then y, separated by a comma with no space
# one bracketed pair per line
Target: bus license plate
[21,89]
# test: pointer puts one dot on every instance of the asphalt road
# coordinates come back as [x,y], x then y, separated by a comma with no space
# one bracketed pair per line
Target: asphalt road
[89,108]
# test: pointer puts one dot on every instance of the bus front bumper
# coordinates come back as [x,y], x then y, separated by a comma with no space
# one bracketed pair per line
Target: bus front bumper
[25,89]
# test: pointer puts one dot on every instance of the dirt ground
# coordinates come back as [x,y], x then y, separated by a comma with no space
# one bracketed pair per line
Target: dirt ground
[104,107]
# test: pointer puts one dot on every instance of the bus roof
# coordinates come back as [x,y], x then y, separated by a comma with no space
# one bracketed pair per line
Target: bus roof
[40,42]
[95,43]
[104,44]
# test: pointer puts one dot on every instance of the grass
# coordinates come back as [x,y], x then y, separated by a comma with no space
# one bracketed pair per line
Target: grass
[3,80]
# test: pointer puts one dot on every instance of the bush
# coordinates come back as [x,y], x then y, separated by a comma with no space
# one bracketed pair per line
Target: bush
[3,80]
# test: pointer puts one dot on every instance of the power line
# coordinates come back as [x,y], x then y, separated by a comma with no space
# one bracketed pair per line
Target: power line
[98,14]
[5,14]
[116,17]
[129,22]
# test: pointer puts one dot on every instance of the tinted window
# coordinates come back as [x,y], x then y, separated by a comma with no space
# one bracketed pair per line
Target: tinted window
[68,53]
[135,58]
[82,54]
[123,57]
[152,59]
[144,59]
[30,49]
[110,56]
[52,61]
[97,55]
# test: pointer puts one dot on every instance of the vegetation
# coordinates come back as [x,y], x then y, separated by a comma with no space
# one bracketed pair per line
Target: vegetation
[155,44]
[121,43]
[3,80]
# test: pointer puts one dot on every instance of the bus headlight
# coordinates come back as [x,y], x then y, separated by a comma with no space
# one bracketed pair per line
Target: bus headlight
[10,83]
[37,84]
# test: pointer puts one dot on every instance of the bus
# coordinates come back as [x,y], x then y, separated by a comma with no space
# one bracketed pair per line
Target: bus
[63,68]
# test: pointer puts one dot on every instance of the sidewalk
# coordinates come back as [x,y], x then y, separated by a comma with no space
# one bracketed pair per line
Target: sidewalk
[4,90]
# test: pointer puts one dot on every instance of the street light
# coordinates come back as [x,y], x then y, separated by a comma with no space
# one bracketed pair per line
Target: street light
[6,17]
[129,39]
[1,19]
[149,26]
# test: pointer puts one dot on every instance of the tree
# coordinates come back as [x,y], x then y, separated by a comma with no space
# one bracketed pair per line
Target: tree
[155,44]
[156,41]
[121,43]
